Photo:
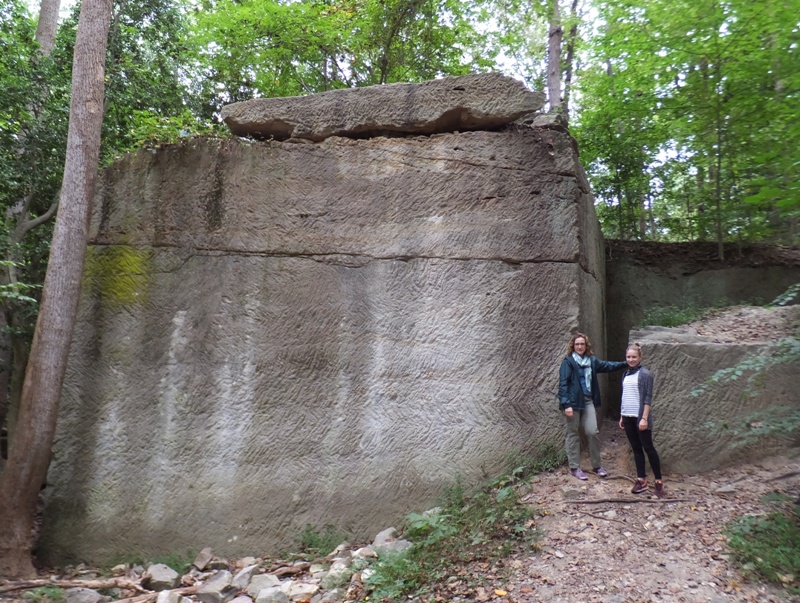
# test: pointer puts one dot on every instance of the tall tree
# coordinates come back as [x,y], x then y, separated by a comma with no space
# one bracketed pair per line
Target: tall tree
[47,25]
[555,37]
[29,457]
[264,48]
[560,56]
[699,112]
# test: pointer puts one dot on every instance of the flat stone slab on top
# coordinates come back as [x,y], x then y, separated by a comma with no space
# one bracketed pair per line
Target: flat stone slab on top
[472,102]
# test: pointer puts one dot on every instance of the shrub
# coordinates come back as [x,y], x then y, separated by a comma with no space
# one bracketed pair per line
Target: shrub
[44,594]
[317,543]
[487,526]
[768,547]
[672,316]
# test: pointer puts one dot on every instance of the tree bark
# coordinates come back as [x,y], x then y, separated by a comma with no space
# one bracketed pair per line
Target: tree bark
[5,378]
[573,35]
[29,457]
[554,38]
[47,25]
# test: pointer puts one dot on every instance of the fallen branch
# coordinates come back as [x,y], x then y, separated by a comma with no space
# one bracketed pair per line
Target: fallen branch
[784,476]
[185,590]
[291,570]
[623,477]
[124,583]
[598,501]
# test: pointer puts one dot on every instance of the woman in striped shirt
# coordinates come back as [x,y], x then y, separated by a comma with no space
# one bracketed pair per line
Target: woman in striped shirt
[637,421]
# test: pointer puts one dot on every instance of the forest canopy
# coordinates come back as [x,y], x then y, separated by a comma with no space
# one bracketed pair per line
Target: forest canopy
[686,113]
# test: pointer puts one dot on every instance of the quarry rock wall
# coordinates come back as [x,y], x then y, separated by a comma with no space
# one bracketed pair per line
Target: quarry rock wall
[275,334]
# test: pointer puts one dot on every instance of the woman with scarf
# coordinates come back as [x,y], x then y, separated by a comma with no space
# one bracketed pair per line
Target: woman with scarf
[579,396]
[637,420]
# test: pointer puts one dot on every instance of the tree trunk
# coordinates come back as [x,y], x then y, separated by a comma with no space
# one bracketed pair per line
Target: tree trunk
[554,38]
[5,378]
[28,459]
[19,362]
[573,34]
[47,26]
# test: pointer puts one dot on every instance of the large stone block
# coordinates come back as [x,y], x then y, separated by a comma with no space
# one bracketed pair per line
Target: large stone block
[273,334]
[701,426]
[643,275]
[471,102]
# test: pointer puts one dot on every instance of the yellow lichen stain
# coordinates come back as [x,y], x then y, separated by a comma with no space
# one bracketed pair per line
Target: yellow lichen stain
[119,273]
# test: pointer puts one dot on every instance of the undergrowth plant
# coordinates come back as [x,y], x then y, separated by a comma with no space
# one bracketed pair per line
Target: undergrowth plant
[180,561]
[752,371]
[485,526]
[672,316]
[767,547]
[44,594]
[316,543]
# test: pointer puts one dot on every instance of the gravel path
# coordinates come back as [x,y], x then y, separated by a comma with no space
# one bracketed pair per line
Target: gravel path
[626,552]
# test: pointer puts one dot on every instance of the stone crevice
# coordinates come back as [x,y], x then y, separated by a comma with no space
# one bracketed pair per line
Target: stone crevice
[353,260]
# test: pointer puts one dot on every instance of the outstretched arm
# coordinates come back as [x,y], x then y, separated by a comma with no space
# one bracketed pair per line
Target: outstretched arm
[609,366]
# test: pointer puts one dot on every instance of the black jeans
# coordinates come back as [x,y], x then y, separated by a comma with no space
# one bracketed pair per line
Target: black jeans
[641,443]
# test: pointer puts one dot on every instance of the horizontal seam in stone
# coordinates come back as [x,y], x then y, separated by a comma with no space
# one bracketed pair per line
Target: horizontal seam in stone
[325,257]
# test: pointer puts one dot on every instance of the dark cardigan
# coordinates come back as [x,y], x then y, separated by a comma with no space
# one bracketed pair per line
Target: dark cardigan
[645,391]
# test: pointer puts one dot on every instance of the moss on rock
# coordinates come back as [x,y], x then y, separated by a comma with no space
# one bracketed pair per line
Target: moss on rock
[118,273]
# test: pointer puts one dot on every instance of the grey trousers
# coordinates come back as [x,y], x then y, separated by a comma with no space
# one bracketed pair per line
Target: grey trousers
[585,419]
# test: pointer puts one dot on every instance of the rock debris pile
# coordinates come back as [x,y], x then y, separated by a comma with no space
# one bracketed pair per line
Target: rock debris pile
[337,577]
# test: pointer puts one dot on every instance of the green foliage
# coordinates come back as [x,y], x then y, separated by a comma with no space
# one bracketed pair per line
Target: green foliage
[671,316]
[14,293]
[486,525]
[775,497]
[180,561]
[317,543]
[44,594]
[754,366]
[34,104]
[524,465]
[266,48]
[768,547]
[149,129]
[788,296]
[687,119]
[778,421]
[147,92]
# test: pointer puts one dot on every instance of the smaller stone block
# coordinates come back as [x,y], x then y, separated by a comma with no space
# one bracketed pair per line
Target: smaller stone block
[261,582]
[83,595]
[160,577]
[273,594]
[472,102]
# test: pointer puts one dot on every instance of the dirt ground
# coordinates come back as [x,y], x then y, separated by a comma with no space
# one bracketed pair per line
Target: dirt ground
[601,550]
[651,550]
[749,324]
[601,544]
